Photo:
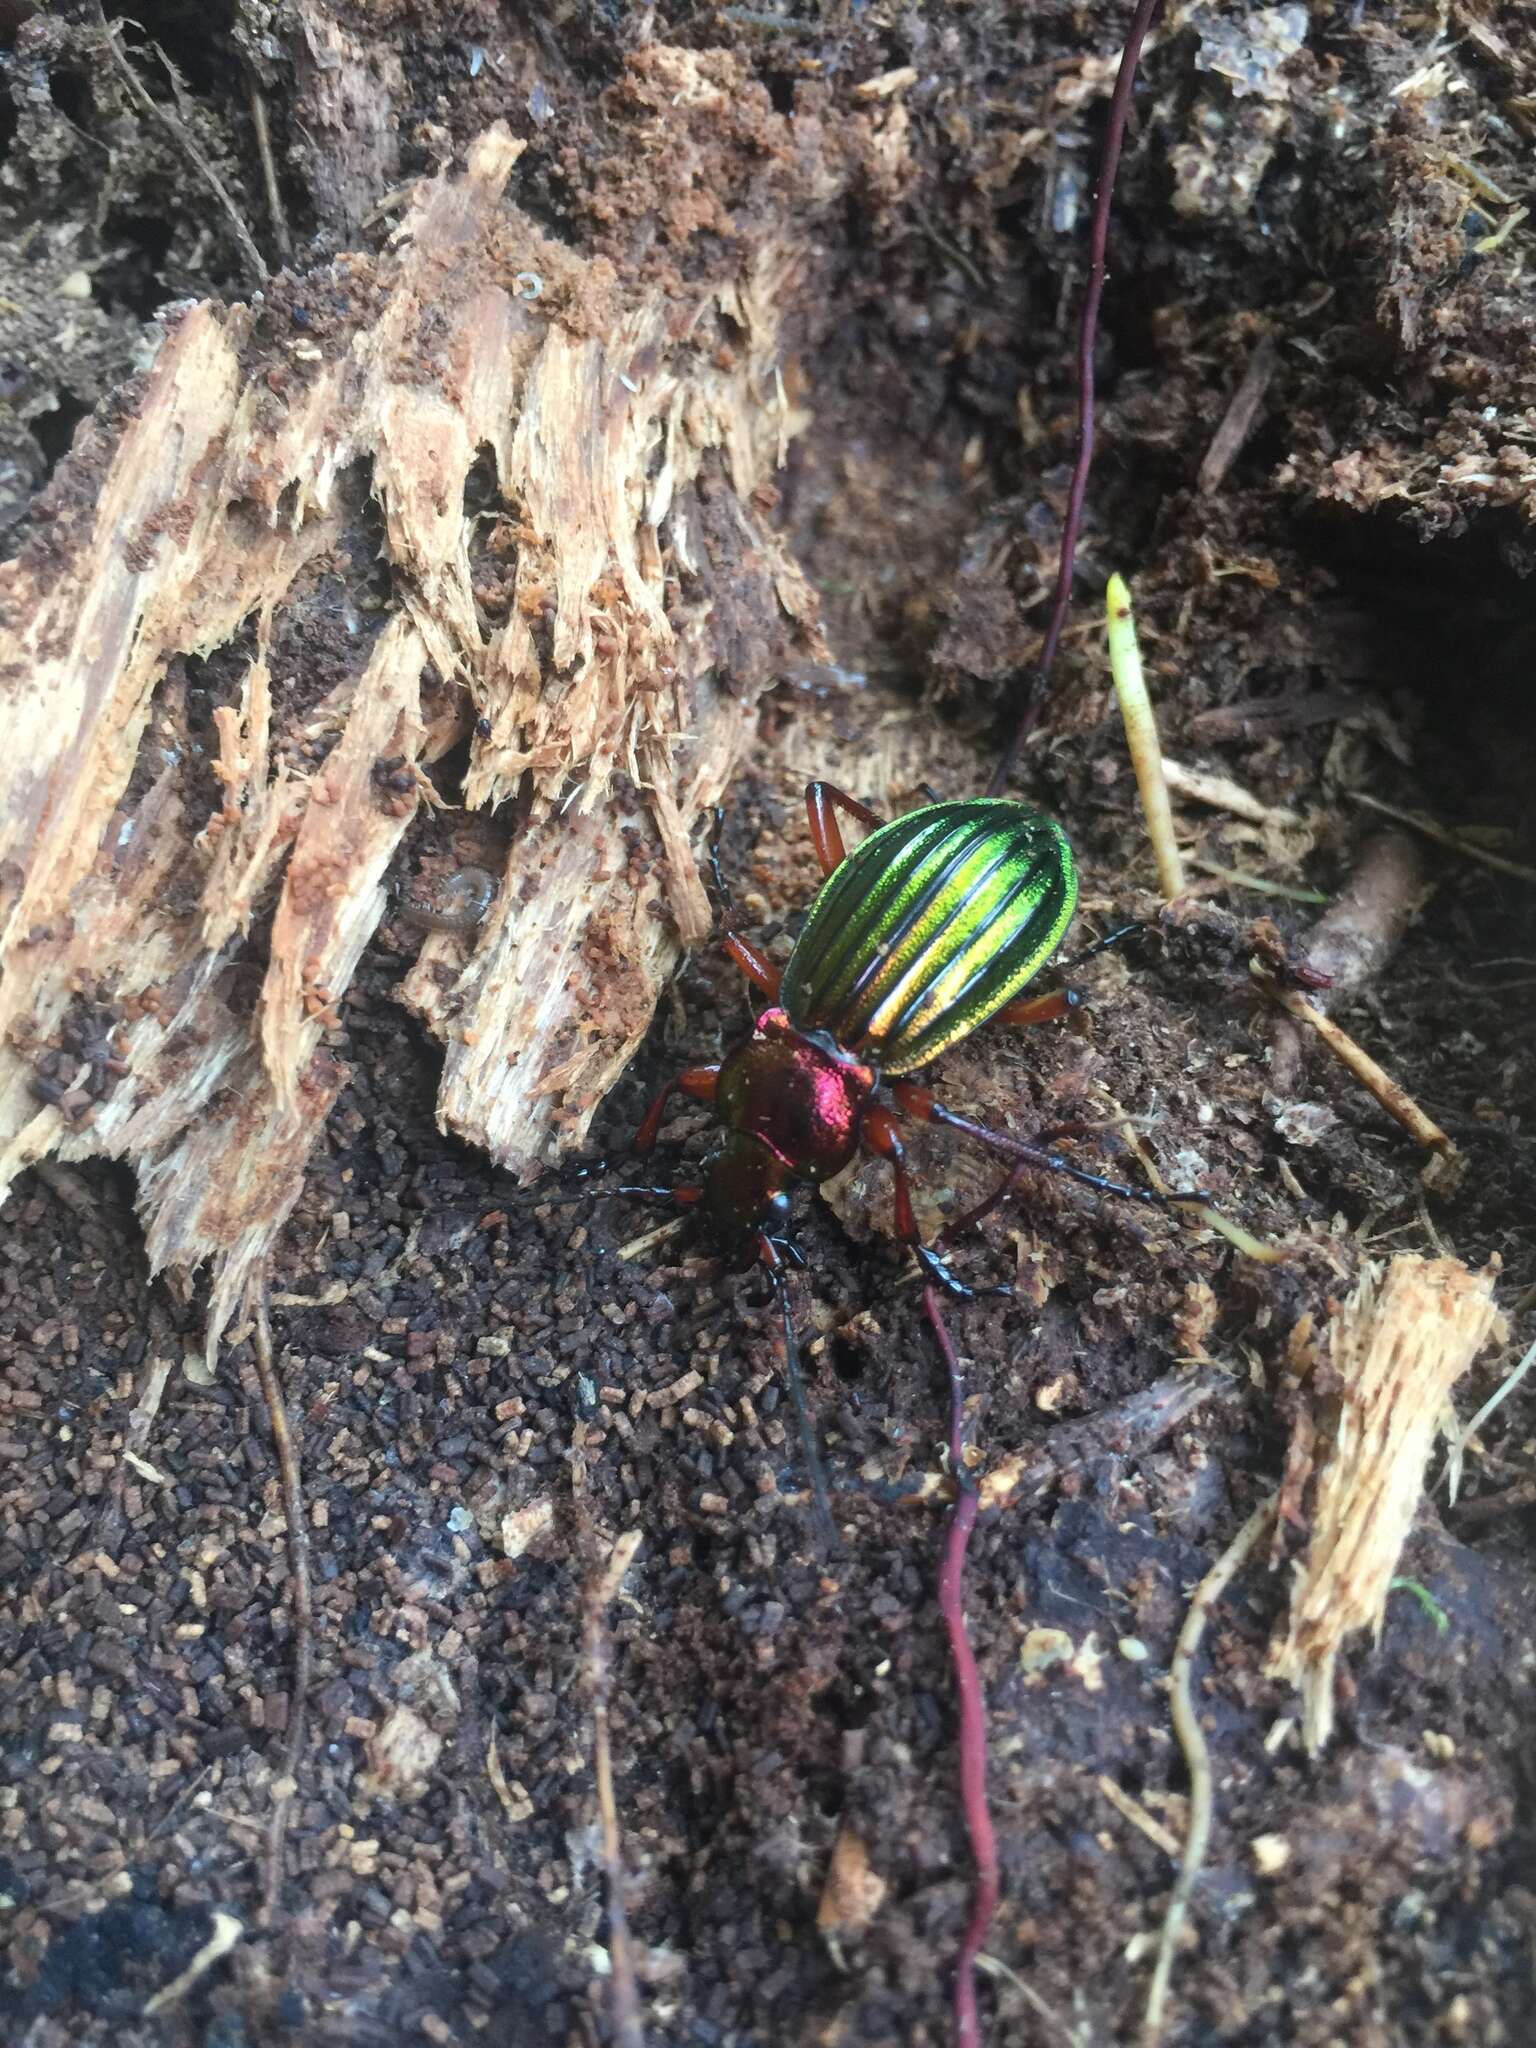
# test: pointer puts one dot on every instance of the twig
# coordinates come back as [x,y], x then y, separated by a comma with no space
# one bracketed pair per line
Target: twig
[1392,1096]
[1098,249]
[628,2031]
[1239,878]
[141,1417]
[1443,837]
[972,1736]
[1355,937]
[187,143]
[1141,736]
[1197,1756]
[1237,421]
[258,105]
[1221,793]
[299,1593]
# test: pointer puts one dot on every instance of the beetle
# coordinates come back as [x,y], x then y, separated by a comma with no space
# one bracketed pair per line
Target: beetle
[934,924]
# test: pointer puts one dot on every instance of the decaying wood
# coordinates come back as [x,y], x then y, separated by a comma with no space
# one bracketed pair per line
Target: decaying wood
[146,1011]
[1355,938]
[1399,1345]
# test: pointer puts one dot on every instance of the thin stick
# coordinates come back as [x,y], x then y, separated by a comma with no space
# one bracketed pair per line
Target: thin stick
[628,2032]
[1197,1756]
[1141,736]
[1392,1096]
[187,143]
[972,1736]
[258,105]
[1443,837]
[299,1594]
[1221,793]
[1098,249]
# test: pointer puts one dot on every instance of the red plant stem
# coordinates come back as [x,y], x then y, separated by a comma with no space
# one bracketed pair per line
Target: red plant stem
[972,1738]
[1098,247]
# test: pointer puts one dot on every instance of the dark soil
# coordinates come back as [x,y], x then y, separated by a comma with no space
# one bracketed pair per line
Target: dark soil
[1345,610]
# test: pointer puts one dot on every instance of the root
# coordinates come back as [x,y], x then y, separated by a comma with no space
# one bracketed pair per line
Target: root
[1197,1756]
[628,2031]
[972,1737]
[300,1597]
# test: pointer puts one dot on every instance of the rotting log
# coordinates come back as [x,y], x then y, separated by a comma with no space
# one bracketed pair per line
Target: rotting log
[184,900]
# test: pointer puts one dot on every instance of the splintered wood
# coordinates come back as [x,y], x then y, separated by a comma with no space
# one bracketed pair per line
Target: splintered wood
[1398,1346]
[186,891]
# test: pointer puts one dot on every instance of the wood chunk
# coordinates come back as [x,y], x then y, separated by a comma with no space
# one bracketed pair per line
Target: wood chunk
[149,1009]
[1399,1344]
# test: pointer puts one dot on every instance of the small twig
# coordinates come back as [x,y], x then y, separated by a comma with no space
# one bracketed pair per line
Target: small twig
[628,2031]
[972,1736]
[1221,793]
[141,1418]
[1098,251]
[299,1593]
[1141,736]
[1443,837]
[1392,1096]
[1197,1756]
[1239,878]
[188,144]
[1237,421]
[227,1930]
[649,1238]
[258,105]
[1355,937]
[1139,1818]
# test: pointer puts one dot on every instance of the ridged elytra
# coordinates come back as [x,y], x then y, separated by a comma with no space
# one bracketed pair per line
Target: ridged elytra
[929,927]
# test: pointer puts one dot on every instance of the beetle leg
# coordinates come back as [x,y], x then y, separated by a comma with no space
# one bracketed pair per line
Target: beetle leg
[917,1102]
[762,972]
[684,1196]
[1047,1009]
[757,967]
[882,1134]
[699,1082]
[823,800]
[1114,938]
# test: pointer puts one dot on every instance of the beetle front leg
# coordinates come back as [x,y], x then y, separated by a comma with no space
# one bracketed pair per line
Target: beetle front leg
[882,1134]
[823,800]
[699,1082]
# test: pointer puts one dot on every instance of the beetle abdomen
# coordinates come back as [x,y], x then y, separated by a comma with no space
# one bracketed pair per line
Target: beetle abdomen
[929,926]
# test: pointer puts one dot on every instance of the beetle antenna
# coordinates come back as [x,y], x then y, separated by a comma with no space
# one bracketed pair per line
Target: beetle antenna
[815,1470]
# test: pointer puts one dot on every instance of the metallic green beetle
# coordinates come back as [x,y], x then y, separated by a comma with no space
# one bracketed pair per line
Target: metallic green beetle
[931,926]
